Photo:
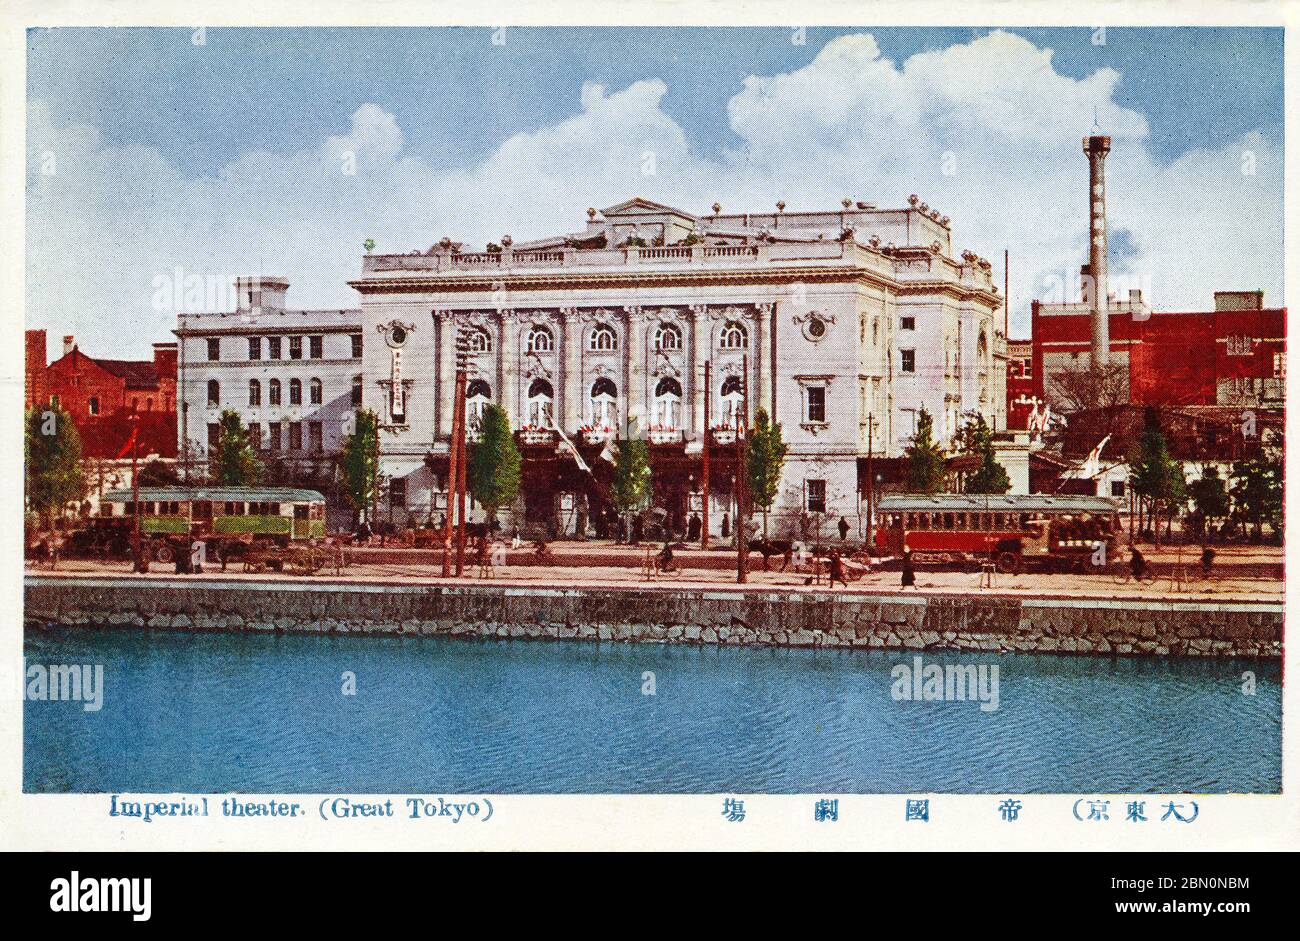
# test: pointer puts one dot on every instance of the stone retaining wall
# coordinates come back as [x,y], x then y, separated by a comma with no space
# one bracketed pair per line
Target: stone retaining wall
[755,617]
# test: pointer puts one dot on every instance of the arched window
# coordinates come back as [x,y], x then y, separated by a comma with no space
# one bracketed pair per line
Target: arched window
[668,403]
[603,339]
[477,397]
[295,391]
[733,402]
[733,337]
[540,340]
[540,400]
[254,392]
[480,341]
[214,393]
[668,337]
[603,406]
[273,392]
[317,392]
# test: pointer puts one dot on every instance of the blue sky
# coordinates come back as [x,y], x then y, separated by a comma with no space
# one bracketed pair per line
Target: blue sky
[228,121]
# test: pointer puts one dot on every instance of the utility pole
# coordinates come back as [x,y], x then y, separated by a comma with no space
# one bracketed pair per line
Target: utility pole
[455,468]
[462,356]
[135,491]
[871,478]
[742,433]
[704,471]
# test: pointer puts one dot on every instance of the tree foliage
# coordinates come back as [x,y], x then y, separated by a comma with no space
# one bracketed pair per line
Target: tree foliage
[1157,479]
[53,475]
[1257,486]
[990,476]
[925,464]
[631,486]
[359,462]
[1210,493]
[765,452]
[234,463]
[493,471]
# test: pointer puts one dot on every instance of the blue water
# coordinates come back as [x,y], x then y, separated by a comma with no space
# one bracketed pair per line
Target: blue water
[218,712]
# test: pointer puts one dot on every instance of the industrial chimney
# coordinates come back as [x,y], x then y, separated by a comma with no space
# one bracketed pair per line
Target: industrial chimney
[1096,148]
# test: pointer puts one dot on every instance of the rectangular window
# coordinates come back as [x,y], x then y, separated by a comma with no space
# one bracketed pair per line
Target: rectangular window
[295,347]
[92,406]
[908,360]
[1117,488]
[214,435]
[816,496]
[1027,368]
[816,410]
[316,438]
[397,493]
[214,349]
[255,435]
[295,436]
[254,347]
[317,346]
[356,345]
[906,323]
[273,347]
[356,391]
[274,435]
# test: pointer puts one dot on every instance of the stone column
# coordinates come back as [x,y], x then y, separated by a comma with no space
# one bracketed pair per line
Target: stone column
[570,370]
[701,350]
[760,374]
[766,314]
[634,381]
[509,343]
[446,353]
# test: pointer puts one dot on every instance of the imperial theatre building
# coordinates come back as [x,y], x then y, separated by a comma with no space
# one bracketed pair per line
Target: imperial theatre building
[842,325]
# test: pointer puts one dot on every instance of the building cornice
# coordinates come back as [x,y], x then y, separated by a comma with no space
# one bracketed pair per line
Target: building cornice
[628,280]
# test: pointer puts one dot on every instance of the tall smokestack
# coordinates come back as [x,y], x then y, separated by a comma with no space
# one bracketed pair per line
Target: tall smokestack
[1096,148]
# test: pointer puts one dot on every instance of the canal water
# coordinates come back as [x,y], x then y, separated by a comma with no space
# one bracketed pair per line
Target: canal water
[241,712]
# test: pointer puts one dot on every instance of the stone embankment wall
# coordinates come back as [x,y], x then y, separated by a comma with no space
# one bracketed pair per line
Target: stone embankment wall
[758,618]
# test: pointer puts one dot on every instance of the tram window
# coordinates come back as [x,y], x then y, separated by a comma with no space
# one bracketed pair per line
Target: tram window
[947,521]
[300,511]
[129,508]
[273,509]
[202,509]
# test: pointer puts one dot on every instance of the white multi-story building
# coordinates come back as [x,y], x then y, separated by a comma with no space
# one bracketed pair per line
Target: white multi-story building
[850,322]
[294,377]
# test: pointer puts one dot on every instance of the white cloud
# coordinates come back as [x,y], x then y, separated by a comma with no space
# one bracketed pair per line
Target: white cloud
[851,122]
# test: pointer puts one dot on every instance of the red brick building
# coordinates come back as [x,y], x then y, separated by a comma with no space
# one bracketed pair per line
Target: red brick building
[102,394]
[1020,383]
[1234,355]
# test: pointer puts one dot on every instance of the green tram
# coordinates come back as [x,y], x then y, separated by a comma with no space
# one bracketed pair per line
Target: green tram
[277,515]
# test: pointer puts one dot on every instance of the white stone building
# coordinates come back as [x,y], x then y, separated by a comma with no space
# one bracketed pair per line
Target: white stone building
[851,322]
[294,377]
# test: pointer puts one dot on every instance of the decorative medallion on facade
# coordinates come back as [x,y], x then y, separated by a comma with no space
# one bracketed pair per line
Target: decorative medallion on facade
[815,325]
[395,332]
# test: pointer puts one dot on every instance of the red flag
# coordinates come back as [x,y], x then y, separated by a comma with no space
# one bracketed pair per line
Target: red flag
[129,442]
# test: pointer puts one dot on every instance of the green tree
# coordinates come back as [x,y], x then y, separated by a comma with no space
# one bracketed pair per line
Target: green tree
[493,471]
[990,476]
[359,463]
[53,475]
[1210,494]
[631,486]
[925,463]
[1155,476]
[1257,491]
[764,459]
[234,463]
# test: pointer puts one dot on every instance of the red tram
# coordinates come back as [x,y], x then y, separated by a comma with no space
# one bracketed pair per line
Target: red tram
[1019,532]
